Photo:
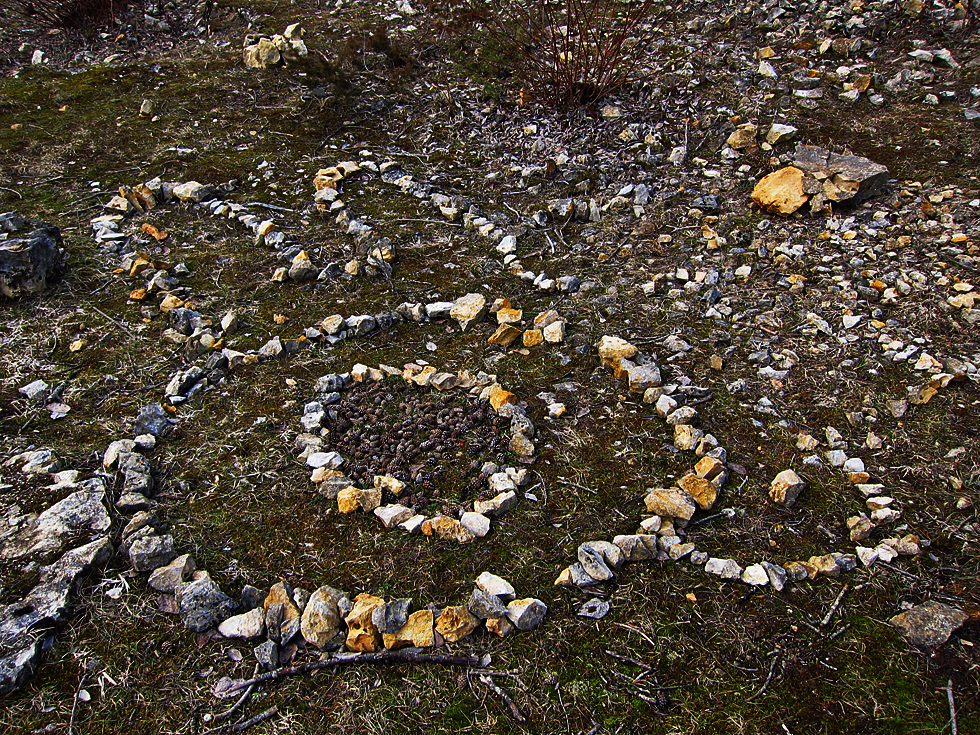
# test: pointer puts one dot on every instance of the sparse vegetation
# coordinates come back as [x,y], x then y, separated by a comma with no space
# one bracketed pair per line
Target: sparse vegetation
[730,659]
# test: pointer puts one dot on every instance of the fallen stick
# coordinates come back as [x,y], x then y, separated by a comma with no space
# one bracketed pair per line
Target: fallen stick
[243,725]
[952,706]
[395,657]
[833,608]
[765,685]
[241,701]
[514,709]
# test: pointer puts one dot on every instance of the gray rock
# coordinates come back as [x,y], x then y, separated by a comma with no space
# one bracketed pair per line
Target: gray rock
[151,552]
[165,579]
[852,179]
[526,614]
[252,597]
[289,629]
[392,616]
[595,609]
[267,654]
[36,390]
[202,603]
[485,606]
[28,263]
[153,419]
[724,568]
[496,586]
[250,624]
[81,516]
[26,626]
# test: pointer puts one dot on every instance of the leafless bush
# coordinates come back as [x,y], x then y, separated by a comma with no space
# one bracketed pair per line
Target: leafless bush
[74,14]
[572,52]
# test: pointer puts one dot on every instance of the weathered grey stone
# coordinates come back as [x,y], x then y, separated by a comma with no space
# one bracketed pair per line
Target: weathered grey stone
[81,516]
[250,624]
[267,654]
[495,586]
[166,578]
[485,606]
[724,568]
[202,603]
[151,552]
[845,178]
[392,616]
[526,614]
[30,262]
[26,626]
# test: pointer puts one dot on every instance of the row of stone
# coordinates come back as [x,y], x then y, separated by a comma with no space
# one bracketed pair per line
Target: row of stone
[660,536]
[455,209]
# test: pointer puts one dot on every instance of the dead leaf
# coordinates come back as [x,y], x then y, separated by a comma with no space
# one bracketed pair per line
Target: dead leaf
[280,319]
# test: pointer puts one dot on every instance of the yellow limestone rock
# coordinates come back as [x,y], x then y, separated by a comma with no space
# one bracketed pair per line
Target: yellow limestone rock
[447,528]
[279,593]
[505,335]
[781,192]
[499,397]
[506,315]
[613,348]
[320,623]
[703,491]
[455,623]
[349,499]
[418,631]
[362,634]
[533,337]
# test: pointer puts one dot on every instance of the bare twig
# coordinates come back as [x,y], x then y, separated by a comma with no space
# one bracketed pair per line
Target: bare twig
[639,632]
[118,324]
[395,657]
[514,709]
[765,684]
[833,608]
[74,704]
[952,707]
[243,725]
[629,660]
[241,701]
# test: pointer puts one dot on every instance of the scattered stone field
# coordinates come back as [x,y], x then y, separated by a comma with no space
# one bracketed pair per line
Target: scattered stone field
[346,385]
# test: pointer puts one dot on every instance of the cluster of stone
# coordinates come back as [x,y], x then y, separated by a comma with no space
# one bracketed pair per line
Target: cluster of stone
[61,546]
[262,52]
[820,177]
[473,523]
[144,197]
[30,255]
[882,509]
[331,619]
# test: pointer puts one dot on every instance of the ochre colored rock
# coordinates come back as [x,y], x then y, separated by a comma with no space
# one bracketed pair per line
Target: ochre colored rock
[280,593]
[362,633]
[703,491]
[416,632]
[455,623]
[781,192]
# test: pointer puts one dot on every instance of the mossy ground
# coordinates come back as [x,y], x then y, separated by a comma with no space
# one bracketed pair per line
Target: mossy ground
[239,501]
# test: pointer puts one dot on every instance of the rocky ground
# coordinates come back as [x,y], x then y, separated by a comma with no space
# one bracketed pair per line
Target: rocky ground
[658,414]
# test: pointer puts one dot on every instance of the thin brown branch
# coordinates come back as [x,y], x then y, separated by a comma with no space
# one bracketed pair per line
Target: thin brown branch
[394,657]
